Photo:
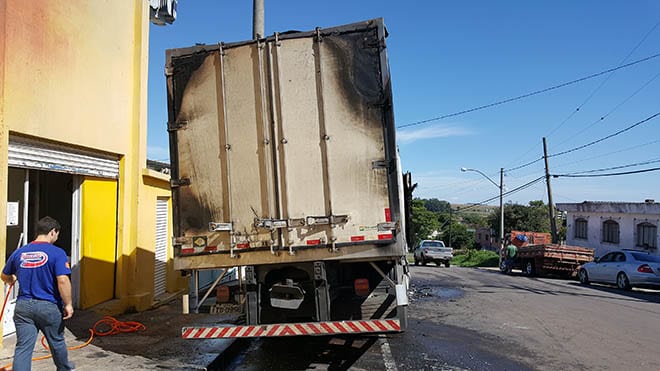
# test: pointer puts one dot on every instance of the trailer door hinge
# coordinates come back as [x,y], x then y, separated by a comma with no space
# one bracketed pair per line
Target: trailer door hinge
[177,125]
[270,223]
[380,164]
[387,226]
[176,183]
[325,220]
[220,227]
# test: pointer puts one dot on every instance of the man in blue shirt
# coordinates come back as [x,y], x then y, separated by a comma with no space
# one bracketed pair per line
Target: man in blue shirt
[44,297]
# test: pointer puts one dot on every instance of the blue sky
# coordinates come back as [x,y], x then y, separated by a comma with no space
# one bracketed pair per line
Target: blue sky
[449,56]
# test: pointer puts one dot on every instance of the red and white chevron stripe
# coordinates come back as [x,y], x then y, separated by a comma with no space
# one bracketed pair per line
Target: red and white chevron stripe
[292,329]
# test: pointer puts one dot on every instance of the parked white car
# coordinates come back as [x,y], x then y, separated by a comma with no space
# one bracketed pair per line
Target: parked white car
[624,268]
[433,251]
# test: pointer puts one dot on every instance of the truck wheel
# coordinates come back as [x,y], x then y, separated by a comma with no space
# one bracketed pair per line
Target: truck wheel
[416,261]
[423,261]
[447,264]
[584,276]
[622,282]
[529,268]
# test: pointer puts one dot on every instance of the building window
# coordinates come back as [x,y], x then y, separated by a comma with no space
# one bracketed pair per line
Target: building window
[646,235]
[581,229]
[610,231]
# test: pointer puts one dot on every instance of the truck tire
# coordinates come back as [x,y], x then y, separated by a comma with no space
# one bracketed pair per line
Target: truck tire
[447,264]
[505,268]
[423,261]
[416,261]
[530,269]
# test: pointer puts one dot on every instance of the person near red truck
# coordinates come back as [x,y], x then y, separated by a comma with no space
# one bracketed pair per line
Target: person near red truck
[511,250]
[44,298]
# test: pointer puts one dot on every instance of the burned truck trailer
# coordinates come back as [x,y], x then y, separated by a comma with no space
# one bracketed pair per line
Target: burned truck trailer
[284,163]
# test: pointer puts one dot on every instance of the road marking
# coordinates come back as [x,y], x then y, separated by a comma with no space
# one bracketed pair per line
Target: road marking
[388,360]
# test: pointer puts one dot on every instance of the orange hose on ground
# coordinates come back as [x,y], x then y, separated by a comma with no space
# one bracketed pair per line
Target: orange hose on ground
[112,327]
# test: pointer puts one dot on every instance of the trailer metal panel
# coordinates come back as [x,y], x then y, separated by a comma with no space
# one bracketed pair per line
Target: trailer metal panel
[284,144]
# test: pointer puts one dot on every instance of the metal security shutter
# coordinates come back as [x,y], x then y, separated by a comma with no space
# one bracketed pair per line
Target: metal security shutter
[32,154]
[160,269]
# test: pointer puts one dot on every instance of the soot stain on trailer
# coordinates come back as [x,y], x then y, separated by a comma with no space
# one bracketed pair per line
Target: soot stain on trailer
[184,67]
[357,66]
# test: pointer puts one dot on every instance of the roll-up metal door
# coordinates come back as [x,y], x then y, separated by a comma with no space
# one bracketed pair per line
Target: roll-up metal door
[160,268]
[32,154]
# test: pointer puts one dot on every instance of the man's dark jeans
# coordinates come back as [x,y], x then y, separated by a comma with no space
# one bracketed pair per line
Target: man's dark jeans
[30,316]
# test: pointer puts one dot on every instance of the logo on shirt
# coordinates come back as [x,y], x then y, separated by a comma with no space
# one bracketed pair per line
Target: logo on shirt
[34,259]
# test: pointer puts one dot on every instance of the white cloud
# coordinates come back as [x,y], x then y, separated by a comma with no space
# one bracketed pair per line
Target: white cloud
[411,135]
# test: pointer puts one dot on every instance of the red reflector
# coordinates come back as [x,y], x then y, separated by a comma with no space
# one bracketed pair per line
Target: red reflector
[644,268]
[357,238]
[243,245]
[314,242]
[222,294]
[187,251]
[388,215]
[387,236]
[361,286]
[211,248]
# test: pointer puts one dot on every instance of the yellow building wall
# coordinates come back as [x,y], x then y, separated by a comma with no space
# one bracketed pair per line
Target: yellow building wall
[155,185]
[69,73]
[75,72]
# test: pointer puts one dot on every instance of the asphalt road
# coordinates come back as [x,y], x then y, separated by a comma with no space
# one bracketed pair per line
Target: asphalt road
[477,319]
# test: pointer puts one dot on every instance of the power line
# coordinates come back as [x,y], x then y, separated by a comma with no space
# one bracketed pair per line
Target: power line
[607,137]
[591,95]
[612,110]
[616,167]
[588,144]
[603,175]
[609,153]
[515,190]
[598,88]
[508,100]
[524,165]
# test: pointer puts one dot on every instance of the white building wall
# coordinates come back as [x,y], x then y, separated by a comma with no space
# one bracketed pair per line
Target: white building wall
[627,230]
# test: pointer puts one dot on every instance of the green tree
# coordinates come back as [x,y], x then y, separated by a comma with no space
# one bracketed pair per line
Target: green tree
[461,238]
[424,222]
[436,205]
[528,218]
[474,220]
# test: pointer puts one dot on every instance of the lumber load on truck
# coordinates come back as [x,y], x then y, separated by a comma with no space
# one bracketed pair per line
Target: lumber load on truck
[537,256]
[553,258]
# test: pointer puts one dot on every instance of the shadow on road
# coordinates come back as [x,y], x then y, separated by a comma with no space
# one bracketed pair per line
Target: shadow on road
[639,294]
[305,352]
[597,290]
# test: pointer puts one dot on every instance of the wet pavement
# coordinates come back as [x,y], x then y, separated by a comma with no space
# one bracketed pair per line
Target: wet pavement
[159,346]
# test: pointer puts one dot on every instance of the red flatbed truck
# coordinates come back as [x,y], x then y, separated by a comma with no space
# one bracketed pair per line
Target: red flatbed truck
[542,258]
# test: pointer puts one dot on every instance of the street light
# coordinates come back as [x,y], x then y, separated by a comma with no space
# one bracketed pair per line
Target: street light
[501,187]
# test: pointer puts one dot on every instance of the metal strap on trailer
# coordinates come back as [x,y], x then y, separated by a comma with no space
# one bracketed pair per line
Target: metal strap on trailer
[292,329]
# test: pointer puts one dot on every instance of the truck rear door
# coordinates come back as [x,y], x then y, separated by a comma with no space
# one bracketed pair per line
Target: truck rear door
[283,142]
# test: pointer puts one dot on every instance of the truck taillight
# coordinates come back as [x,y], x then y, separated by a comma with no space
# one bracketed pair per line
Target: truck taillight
[644,268]
[361,286]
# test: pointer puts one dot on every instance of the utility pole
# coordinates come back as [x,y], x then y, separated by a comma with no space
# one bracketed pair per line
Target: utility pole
[551,206]
[449,242]
[501,209]
[258,19]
